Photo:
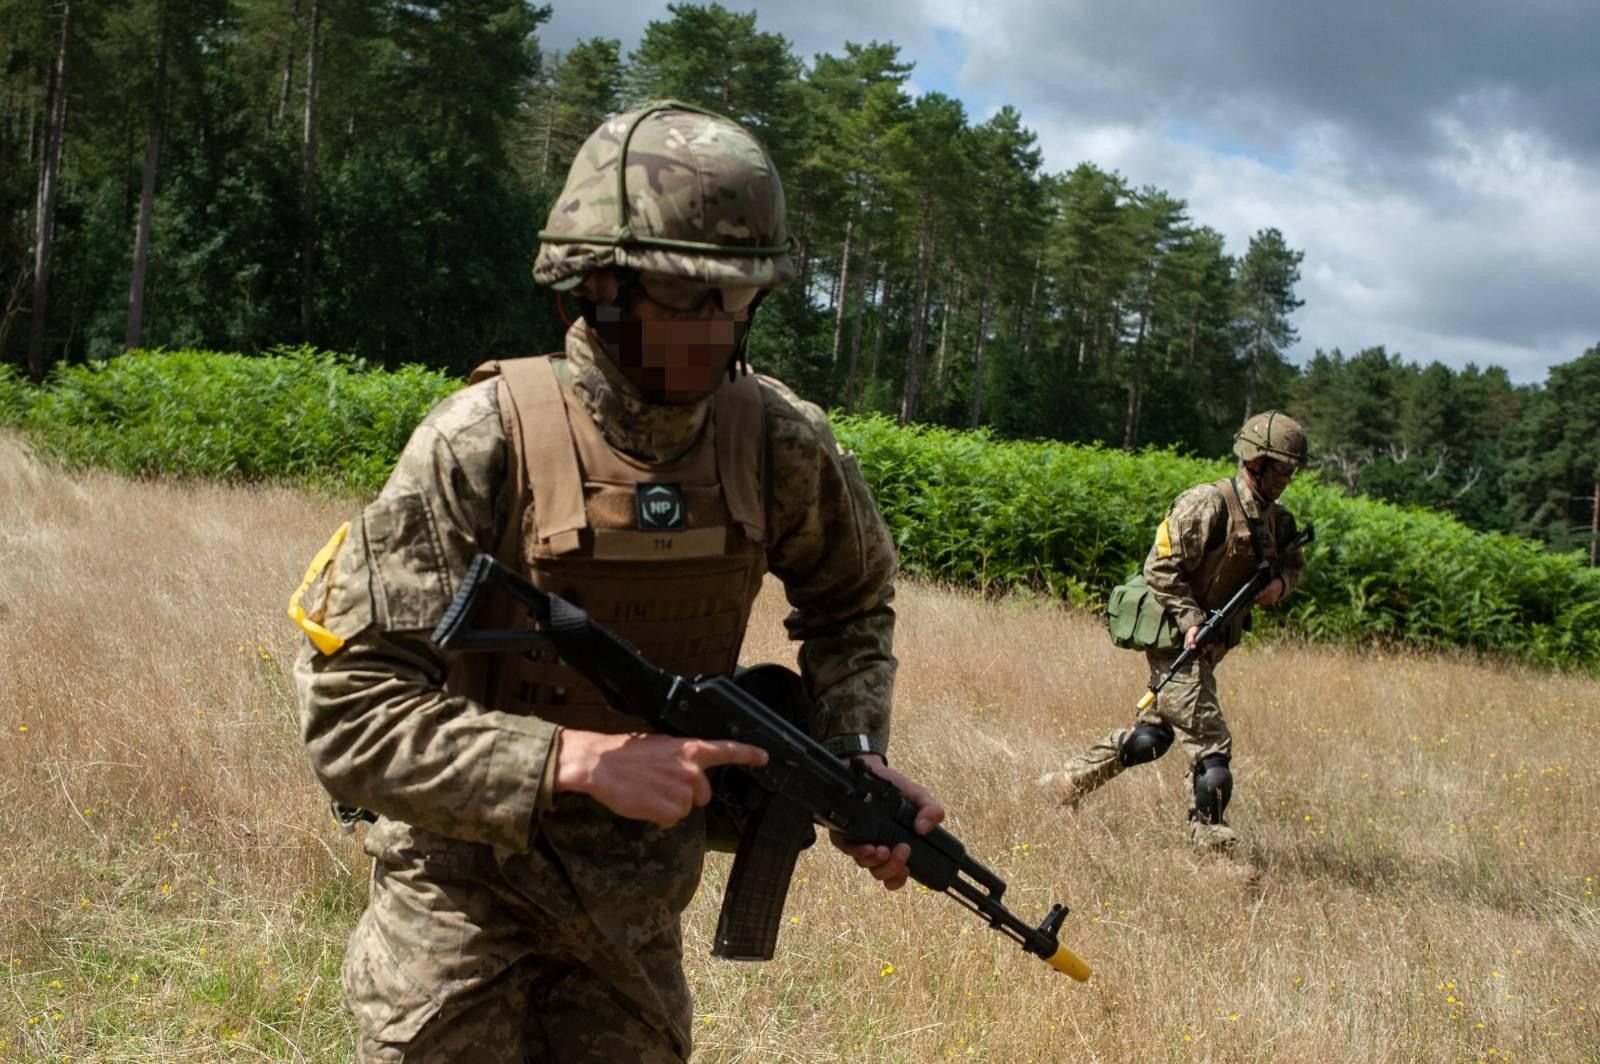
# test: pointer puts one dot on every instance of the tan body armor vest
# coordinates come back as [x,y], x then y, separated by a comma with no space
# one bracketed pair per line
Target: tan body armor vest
[670,556]
[1224,572]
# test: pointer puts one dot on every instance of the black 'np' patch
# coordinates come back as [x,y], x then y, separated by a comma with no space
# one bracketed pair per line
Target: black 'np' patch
[661,507]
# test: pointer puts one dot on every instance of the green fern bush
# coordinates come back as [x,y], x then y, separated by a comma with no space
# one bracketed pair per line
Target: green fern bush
[965,508]
[295,415]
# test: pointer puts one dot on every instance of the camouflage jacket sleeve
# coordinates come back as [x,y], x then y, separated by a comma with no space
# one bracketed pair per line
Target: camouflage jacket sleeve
[1196,521]
[833,552]
[379,727]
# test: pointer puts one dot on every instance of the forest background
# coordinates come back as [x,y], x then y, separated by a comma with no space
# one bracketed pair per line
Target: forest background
[368,177]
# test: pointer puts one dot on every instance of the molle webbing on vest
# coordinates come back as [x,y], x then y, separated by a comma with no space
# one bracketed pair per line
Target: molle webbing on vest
[479,676]
[695,617]
[681,596]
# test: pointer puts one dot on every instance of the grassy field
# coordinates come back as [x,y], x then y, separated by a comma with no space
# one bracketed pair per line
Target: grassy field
[1418,884]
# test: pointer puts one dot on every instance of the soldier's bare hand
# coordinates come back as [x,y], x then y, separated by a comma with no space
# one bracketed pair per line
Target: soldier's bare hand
[657,778]
[886,865]
[1272,592]
[1191,641]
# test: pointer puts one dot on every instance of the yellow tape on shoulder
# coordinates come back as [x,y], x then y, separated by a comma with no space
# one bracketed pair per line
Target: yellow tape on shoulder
[324,640]
[1163,540]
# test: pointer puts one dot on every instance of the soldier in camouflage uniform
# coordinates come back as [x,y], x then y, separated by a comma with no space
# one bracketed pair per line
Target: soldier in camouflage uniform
[1205,550]
[533,847]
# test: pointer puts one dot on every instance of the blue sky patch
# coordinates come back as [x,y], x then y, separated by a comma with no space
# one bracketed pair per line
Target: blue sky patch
[1185,133]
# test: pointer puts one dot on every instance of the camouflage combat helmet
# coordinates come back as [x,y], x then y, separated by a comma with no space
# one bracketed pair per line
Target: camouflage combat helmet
[1271,434]
[698,198]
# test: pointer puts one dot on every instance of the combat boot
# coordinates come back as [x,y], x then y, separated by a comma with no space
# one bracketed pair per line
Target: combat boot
[1059,785]
[1071,786]
[1211,838]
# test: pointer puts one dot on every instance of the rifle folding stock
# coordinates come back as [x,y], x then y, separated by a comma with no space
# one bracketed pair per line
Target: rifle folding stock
[1217,620]
[801,783]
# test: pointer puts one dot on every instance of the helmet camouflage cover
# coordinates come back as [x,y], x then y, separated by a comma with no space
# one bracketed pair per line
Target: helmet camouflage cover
[698,198]
[1271,434]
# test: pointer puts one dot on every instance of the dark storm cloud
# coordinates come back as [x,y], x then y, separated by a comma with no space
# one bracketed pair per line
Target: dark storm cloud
[1261,68]
[1382,69]
[1438,161]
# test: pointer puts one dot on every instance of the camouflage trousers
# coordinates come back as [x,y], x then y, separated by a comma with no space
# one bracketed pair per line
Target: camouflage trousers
[1188,704]
[449,963]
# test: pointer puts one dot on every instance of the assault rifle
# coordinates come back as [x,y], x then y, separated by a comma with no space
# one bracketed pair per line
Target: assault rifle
[1217,620]
[801,782]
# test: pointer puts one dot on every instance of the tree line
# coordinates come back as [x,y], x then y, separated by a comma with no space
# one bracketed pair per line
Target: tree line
[1500,457]
[368,176]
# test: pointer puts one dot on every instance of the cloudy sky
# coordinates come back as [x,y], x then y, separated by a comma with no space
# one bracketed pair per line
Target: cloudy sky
[1438,161]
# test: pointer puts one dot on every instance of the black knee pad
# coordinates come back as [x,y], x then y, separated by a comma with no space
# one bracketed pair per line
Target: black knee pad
[1146,743]
[1213,787]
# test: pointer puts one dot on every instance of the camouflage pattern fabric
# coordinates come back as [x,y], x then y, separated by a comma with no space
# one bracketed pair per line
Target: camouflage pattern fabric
[830,547]
[689,177]
[1191,553]
[1188,704]
[472,910]
[449,965]
[1272,434]
[656,432]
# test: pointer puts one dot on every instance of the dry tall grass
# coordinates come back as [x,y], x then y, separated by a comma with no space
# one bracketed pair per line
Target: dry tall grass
[1423,835]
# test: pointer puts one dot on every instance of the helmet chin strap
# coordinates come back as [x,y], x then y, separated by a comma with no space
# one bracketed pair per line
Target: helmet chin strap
[740,363]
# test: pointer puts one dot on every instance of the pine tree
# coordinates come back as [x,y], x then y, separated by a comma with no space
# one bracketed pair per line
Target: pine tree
[1266,279]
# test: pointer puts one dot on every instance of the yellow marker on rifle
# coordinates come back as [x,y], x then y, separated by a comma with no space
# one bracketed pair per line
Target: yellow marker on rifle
[1067,961]
[1147,701]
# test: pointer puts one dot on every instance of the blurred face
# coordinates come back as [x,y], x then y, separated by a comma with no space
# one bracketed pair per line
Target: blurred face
[672,337]
[1270,477]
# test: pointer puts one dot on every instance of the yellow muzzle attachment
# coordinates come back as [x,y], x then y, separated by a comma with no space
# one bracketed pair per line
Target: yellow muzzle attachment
[1067,961]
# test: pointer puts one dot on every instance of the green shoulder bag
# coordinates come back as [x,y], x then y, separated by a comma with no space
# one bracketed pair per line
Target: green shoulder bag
[1136,620]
